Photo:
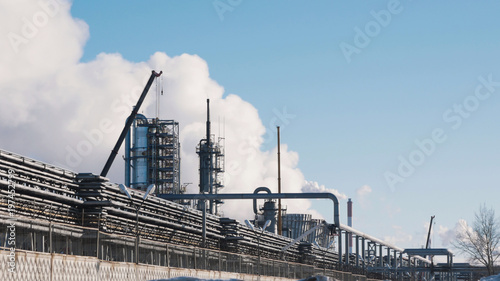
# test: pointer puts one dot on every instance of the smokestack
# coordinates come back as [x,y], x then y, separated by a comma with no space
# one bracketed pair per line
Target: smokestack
[349,222]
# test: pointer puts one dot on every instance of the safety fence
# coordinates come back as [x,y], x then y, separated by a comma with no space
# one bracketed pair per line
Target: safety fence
[55,251]
[54,267]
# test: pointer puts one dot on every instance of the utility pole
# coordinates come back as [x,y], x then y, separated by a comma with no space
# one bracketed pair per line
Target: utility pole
[151,188]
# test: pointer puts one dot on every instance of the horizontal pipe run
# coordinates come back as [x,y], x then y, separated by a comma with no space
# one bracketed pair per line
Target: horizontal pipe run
[25,161]
[229,196]
[378,241]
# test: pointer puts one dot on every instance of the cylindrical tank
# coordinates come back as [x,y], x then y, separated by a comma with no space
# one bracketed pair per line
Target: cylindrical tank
[140,156]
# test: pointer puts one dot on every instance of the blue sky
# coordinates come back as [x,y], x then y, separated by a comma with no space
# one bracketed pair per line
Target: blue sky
[353,119]
[353,115]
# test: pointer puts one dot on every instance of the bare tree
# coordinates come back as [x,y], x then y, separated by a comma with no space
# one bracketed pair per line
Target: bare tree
[481,242]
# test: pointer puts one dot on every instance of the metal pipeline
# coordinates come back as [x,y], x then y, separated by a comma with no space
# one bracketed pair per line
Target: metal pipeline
[378,241]
[24,161]
[257,190]
[229,196]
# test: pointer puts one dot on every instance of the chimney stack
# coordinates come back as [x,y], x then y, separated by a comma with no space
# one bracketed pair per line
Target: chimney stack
[349,222]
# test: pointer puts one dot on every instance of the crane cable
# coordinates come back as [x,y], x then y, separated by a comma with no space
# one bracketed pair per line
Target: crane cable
[157,99]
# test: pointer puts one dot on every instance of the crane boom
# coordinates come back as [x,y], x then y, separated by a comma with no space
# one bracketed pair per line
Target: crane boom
[130,119]
[429,233]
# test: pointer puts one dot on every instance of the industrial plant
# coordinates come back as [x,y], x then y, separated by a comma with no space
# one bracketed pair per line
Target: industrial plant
[56,222]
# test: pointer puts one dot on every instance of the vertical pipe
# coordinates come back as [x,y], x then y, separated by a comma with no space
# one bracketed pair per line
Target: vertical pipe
[380,256]
[219,265]
[363,253]
[50,238]
[258,251]
[388,256]
[168,257]
[347,253]
[203,223]
[357,250]
[280,224]
[340,247]
[208,121]
[98,232]
[210,168]
[401,259]
[51,254]
[137,235]
[395,262]
[194,258]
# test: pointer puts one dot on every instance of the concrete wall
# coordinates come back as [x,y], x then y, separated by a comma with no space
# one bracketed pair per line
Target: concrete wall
[27,266]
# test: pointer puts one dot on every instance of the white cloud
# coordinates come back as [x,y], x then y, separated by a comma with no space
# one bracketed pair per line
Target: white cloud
[392,210]
[364,190]
[62,111]
[399,237]
[363,193]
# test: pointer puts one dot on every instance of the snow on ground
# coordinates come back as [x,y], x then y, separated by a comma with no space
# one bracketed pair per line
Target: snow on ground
[313,278]
[491,278]
[194,279]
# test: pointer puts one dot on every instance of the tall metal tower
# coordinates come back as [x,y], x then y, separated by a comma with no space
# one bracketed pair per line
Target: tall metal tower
[211,156]
[152,155]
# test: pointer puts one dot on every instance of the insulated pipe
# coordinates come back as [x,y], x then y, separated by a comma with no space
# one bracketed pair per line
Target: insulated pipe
[369,237]
[257,190]
[378,241]
[43,194]
[229,196]
[24,161]
[24,165]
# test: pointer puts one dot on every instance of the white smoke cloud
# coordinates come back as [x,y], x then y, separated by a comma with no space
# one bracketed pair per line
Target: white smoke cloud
[448,235]
[59,110]
[315,187]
